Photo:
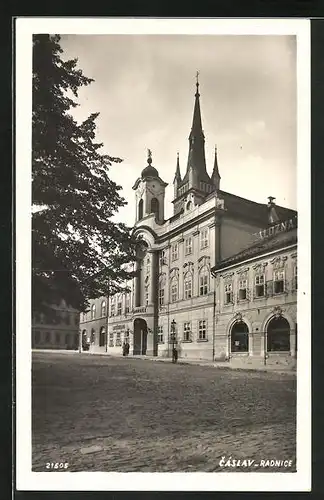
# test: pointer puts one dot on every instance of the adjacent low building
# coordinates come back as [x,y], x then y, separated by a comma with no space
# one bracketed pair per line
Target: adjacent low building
[256,301]
[58,328]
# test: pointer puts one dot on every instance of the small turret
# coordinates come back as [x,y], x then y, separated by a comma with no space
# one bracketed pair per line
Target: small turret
[215,175]
[177,177]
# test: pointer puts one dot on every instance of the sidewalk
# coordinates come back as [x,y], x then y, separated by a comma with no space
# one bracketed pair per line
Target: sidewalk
[181,361]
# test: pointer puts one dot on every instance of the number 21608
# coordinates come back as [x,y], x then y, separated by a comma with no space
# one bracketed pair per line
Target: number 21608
[56,465]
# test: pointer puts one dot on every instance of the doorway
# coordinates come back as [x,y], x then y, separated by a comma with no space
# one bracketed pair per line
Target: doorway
[140,336]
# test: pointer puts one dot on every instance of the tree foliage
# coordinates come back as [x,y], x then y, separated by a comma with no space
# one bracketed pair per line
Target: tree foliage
[79,252]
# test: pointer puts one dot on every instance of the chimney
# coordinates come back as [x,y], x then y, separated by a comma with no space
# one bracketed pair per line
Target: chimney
[272,213]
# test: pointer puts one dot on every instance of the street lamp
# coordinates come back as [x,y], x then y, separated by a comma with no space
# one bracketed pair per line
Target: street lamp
[173,330]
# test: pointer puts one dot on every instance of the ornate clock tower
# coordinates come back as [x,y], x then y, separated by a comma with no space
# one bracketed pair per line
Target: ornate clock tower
[150,192]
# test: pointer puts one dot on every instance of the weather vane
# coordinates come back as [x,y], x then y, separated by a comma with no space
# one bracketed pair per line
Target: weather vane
[149,156]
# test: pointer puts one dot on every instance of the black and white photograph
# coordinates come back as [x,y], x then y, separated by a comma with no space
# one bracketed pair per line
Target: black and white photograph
[163,254]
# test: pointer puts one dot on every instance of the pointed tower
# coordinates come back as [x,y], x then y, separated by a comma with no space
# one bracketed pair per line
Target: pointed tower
[177,177]
[215,175]
[196,181]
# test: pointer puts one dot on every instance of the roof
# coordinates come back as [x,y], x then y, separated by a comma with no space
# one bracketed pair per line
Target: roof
[262,246]
[251,210]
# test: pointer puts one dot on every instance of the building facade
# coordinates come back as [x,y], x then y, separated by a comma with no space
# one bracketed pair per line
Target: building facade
[173,296]
[56,329]
[256,301]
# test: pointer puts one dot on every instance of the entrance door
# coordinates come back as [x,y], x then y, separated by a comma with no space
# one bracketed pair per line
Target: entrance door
[140,336]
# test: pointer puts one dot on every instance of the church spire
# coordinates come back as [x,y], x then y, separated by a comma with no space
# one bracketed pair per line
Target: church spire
[177,178]
[196,166]
[215,175]
[177,172]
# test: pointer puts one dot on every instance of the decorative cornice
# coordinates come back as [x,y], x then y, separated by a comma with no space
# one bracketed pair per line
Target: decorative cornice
[260,265]
[227,276]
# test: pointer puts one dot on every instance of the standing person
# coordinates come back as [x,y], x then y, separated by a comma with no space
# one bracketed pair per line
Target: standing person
[126,348]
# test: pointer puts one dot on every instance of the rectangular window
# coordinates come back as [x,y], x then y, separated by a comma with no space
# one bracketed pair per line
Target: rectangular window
[242,289]
[161,297]
[295,279]
[188,246]
[203,284]
[160,335]
[112,310]
[119,308]
[259,285]
[202,329]
[118,339]
[187,331]
[111,340]
[228,293]
[162,258]
[188,288]
[204,240]
[174,251]
[127,306]
[279,281]
[174,292]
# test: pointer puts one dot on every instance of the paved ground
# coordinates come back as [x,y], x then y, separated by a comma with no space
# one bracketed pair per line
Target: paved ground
[100,413]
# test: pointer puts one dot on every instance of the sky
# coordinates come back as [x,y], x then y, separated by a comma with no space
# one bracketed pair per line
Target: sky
[144,90]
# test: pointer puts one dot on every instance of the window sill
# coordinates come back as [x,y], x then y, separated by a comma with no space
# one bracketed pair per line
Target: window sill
[186,341]
[202,340]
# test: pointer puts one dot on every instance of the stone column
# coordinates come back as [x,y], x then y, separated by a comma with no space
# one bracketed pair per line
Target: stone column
[137,284]
[154,298]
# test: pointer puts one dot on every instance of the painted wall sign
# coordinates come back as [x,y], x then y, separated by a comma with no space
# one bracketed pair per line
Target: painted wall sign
[281,227]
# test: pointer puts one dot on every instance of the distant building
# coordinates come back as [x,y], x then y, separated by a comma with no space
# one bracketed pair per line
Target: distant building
[173,296]
[57,329]
[256,301]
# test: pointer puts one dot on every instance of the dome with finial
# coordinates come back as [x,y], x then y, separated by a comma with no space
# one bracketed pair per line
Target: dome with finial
[149,171]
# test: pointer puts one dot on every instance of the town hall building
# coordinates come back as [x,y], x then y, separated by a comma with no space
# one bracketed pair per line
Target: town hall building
[179,278]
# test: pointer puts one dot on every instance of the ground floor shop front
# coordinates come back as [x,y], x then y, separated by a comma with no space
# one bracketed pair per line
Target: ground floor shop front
[249,338]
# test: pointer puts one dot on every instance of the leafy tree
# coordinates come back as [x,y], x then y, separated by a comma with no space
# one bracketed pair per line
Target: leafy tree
[79,252]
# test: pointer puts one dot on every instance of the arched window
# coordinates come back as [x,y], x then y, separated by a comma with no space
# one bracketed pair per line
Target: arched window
[103,308]
[93,311]
[204,281]
[93,335]
[155,207]
[140,210]
[174,289]
[239,337]
[102,336]
[187,285]
[278,335]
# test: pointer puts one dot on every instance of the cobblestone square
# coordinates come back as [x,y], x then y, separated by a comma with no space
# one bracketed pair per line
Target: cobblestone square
[100,413]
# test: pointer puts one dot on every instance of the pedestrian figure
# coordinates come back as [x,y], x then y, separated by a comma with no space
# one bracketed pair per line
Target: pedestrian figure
[174,355]
[126,348]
